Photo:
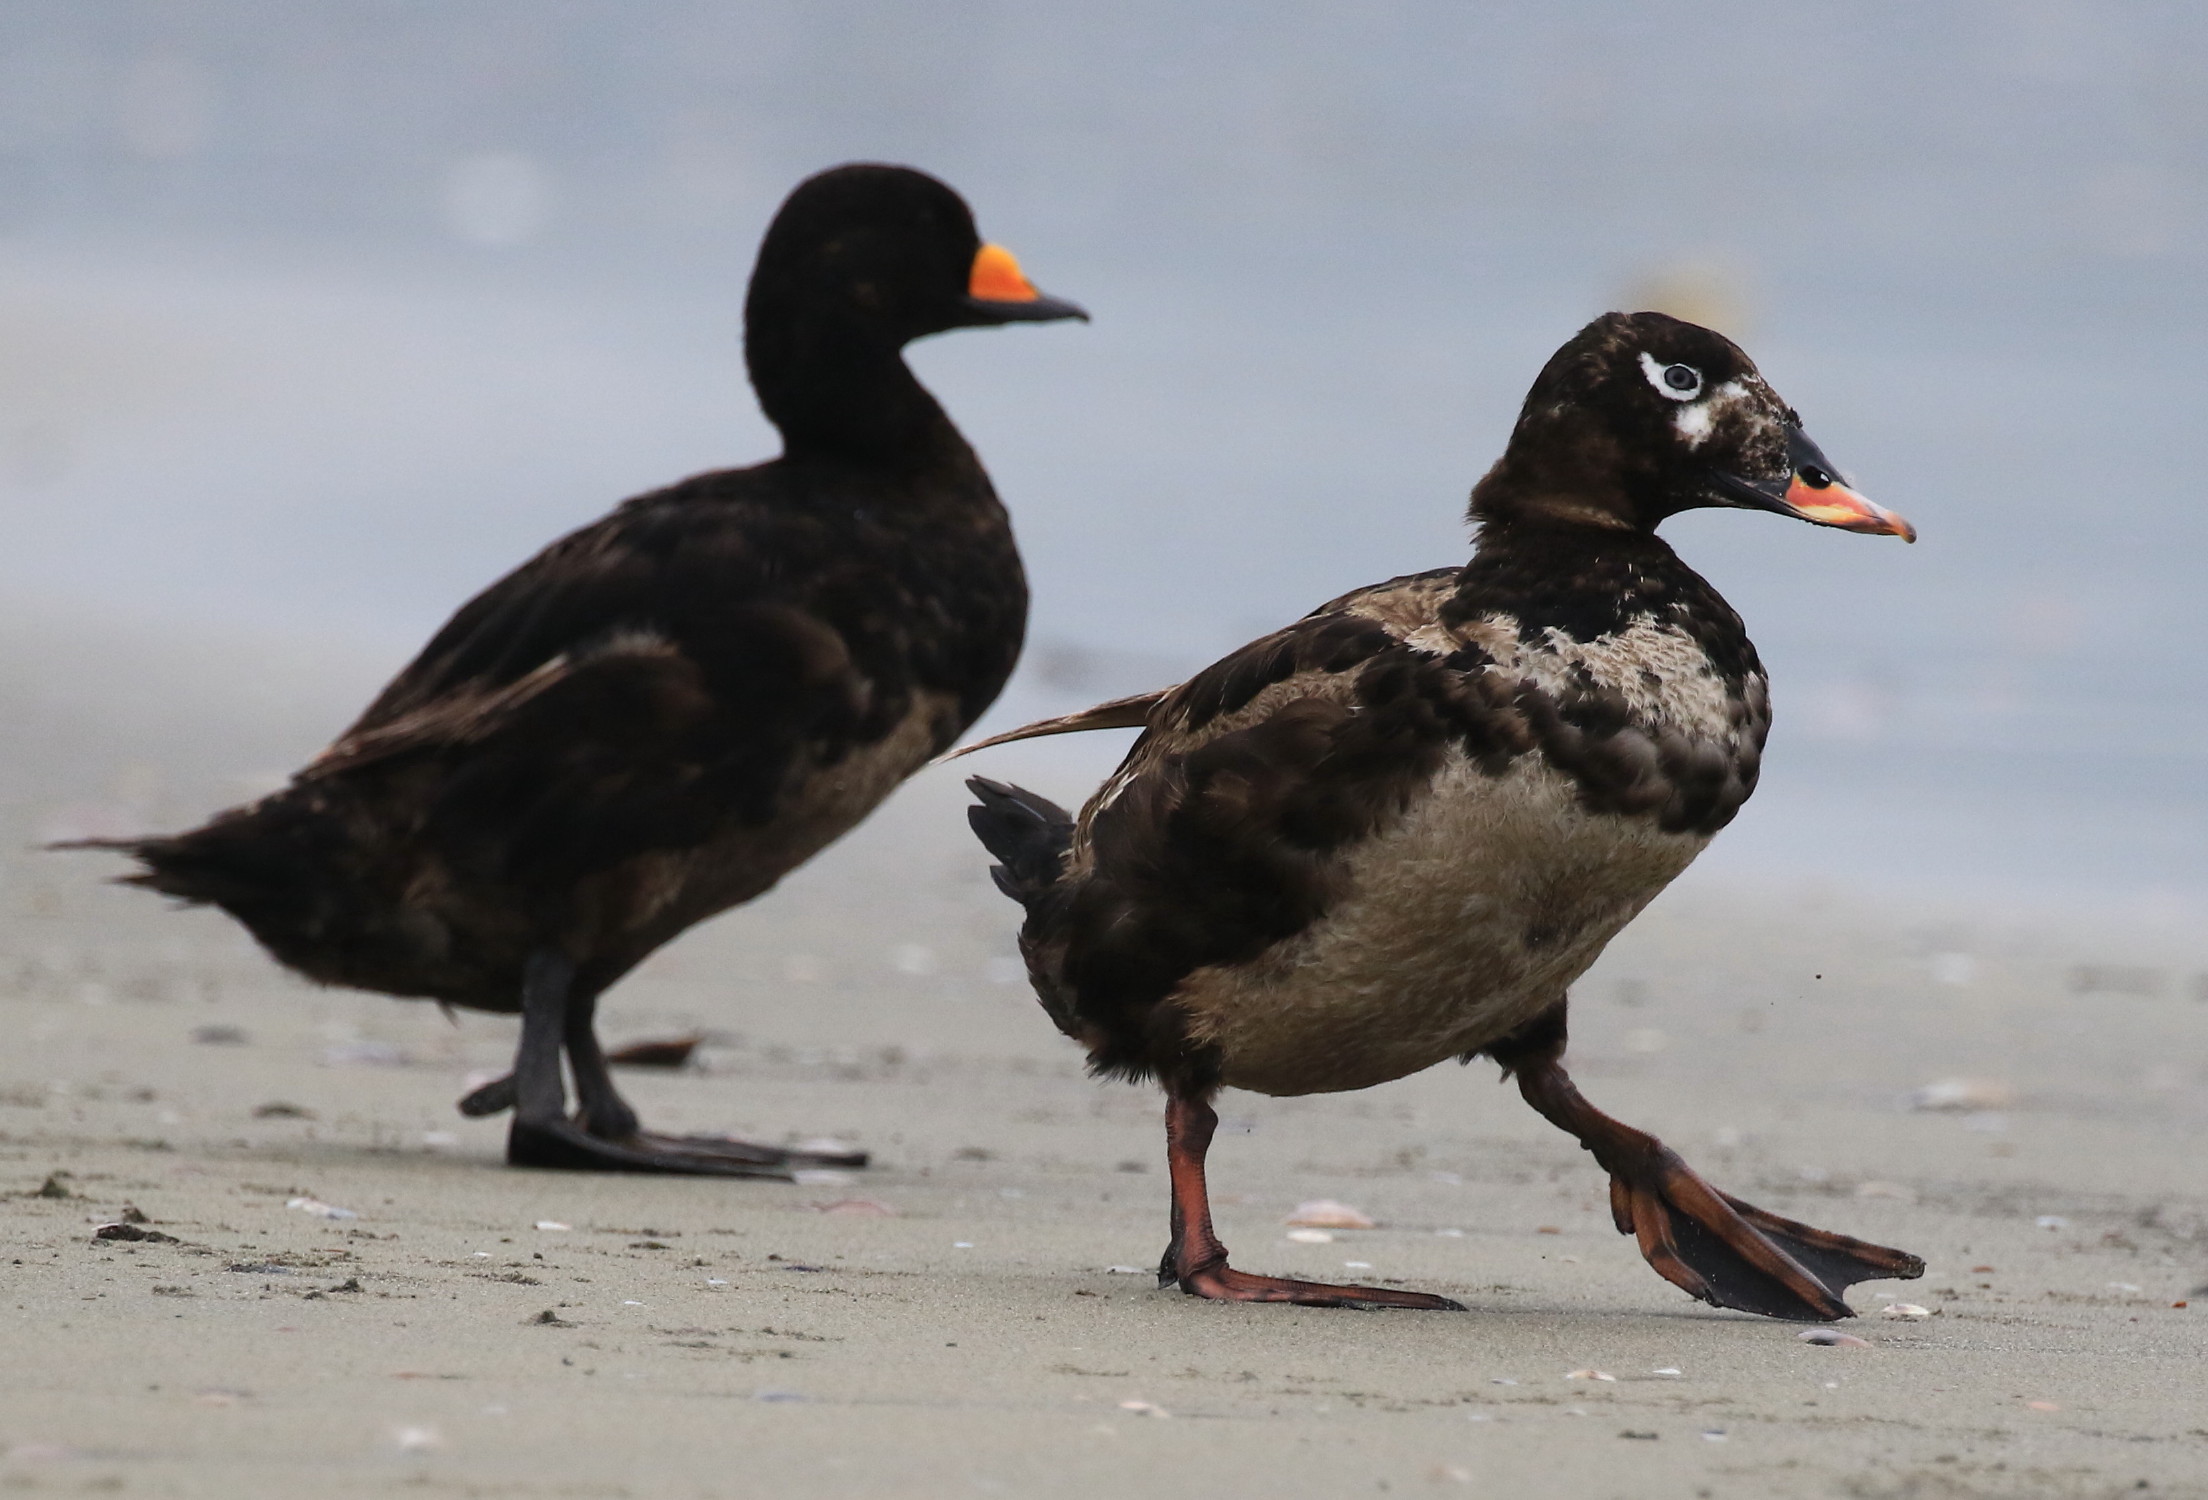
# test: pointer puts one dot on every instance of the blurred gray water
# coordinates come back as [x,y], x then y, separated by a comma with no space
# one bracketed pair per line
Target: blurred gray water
[316,316]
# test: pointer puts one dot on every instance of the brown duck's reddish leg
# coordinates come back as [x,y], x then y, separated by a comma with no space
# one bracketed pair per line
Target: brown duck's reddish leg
[1198,1262]
[1709,1244]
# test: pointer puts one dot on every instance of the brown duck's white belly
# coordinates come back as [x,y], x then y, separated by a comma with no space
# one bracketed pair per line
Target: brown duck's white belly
[1457,924]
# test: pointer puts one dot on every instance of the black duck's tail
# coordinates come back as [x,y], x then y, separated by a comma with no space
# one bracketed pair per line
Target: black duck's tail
[264,864]
[1028,834]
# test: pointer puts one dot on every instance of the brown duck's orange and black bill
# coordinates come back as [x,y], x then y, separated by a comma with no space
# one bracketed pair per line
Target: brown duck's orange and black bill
[998,290]
[1812,492]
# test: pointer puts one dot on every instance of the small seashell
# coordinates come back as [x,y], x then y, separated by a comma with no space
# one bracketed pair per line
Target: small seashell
[1325,1213]
[553,1226]
[1893,1190]
[2052,1221]
[417,1439]
[1356,1265]
[1667,1370]
[366,1055]
[1311,1236]
[1591,1374]
[320,1209]
[1908,1310]
[1832,1338]
[1144,1409]
[1962,1094]
[824,1145]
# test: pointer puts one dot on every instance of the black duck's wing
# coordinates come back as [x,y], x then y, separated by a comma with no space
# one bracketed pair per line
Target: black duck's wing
[638,682]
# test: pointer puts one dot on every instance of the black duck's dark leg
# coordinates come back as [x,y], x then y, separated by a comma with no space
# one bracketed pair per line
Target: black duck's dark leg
[542,1135]
[608,1117]
[1709,1244]
[1198,1262]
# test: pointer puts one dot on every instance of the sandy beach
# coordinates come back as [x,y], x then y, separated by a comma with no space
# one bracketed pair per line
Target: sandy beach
[352,1296]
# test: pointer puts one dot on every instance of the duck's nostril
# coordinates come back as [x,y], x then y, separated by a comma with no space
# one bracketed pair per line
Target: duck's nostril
[1814,477]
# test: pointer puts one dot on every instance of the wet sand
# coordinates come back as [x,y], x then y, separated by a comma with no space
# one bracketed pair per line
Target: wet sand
[971,1315]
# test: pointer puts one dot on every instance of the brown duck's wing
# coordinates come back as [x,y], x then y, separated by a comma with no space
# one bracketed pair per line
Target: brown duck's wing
[1132,712]
[1223,831]
[1328,639]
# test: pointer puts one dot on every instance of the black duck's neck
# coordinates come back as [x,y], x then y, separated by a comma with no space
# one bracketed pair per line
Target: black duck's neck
[843,392]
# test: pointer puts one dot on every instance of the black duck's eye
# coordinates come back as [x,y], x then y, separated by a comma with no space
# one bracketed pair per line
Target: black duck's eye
[1682,378]
[1815,478]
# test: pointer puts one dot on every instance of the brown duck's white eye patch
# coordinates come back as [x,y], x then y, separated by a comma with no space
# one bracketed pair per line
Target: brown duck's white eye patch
[1673,382]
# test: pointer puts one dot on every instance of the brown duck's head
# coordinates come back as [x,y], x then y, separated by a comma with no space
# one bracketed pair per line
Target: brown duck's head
[884,255]
[1642,416]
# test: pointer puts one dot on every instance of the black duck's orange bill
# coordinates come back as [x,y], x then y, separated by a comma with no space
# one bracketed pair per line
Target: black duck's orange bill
[997,291]
[996,277]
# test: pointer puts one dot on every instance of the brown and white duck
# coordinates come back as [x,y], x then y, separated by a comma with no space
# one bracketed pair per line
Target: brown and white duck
[659,716]
[1396,831]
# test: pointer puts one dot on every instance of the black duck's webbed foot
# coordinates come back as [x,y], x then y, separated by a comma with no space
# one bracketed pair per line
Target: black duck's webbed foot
[494,1098]
[603,1135]
[1197,1262]
[1707,1243]
[565,1145]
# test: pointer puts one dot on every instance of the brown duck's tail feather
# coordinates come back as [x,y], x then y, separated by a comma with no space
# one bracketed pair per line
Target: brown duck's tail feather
[1028,834]
[1121,713]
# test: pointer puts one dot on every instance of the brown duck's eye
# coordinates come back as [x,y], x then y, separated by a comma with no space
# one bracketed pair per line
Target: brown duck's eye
[1672,382]
[1815,478]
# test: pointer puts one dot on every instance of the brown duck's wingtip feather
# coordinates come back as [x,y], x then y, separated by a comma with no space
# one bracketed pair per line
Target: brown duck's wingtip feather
[1131,712]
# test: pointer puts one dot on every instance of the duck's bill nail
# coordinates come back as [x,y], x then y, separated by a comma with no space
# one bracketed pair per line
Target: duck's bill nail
[1834,504]
[998,290]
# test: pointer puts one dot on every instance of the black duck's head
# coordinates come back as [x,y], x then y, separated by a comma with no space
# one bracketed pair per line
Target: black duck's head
[1642,416]
[884,255]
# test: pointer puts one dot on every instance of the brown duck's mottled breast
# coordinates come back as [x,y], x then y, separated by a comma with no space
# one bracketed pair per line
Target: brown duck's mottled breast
[1456,925]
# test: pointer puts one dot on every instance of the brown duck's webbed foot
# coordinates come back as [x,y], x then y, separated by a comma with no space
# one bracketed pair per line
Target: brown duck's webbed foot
[1707,1243]
[1197,1262]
